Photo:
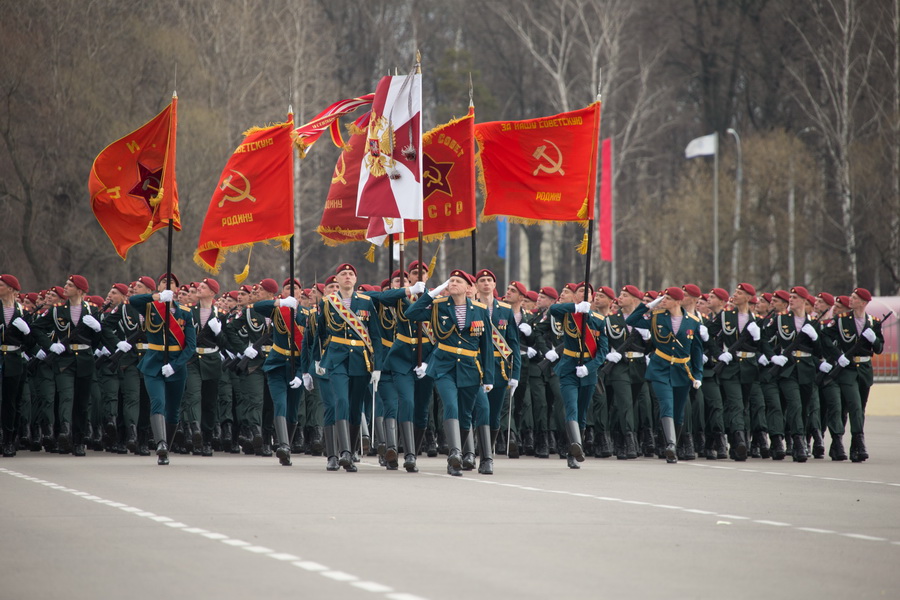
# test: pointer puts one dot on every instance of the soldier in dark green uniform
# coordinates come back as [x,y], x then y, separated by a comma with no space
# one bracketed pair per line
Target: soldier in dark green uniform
[70,332]
[14,333]
[536,342]
[851,340]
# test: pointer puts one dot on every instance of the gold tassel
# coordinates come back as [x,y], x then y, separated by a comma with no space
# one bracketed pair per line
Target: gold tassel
[242,276]
[370,253]
[582,248]
[147,231]
[583,212]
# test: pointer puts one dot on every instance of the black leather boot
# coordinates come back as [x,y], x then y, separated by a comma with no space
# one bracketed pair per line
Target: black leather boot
[454,454]
[740,445]
[858,451]
[431,447]
[721,447]
[283,439]
[647,446]
[161,433]
[631,451]
[298,441]
[764,450]
[603,448]
[528,442]
[408,435]
[799,449]
[227,437]
[342,437]
[700,444]
[486,460]
[390,441]
[331,451]
[131,440]
[619,441]
[216,442]
[514,449]
[196,437]
[670,433]
[778,449]
[64,439]
[837,452]
[317,444]
[206,449]
[587,438]
[573,431]
[818,449]
[36,437]
[468,449]
[540,447]
[256,438]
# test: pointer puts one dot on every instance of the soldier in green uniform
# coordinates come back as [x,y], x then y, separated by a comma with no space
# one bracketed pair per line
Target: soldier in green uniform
[70,332]
[353,355]
[204,369]
[795,354]
[537,342]
[676,364]
[851,340]
[461,364]
[14,333]
[171,340]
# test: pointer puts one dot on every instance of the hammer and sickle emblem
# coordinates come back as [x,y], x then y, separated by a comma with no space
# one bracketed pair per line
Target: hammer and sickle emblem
[540,153]
[434,177]
[243,194]
[339,170]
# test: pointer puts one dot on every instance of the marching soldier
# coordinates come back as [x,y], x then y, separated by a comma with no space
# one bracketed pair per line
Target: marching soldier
[676,364]
[14,336]
[352,356]
[583,353]
[851,341]
[461,365]
[536,341]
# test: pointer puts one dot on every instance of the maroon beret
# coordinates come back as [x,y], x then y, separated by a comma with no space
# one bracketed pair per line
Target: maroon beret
[270,285]
[607,291]
[331,279]
[80,282]
[634,291]
[550,292]
[212,284]
[692,290]
[485,273]
[532,295]
[720,294]
[652,294]
[414,264]
[675,293]
[845,300]
[163,276]
[121,288]
[782,295]
[345,267]
[747,288]
[863,294]
[827,298]
[767,297]
[287,282]
[11,281]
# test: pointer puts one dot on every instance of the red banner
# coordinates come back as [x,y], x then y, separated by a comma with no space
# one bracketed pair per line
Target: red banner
[132,182]
[339,223]
[605,223]
[306,135]
[254,199]
[542,169]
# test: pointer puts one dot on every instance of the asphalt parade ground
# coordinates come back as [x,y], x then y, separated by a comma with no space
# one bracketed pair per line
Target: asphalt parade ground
[110,526]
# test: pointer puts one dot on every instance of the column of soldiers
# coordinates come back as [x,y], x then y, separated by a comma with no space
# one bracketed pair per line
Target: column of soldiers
[458,369]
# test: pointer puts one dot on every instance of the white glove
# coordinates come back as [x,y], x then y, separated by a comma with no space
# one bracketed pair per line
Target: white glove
[525,328]
[512,384]
[656,302]
[779,360]
[530,352]
[583,307]
[22,326]
[216,325]
[647,360]
[810,331]
[57,348]
[230,355]
[420,370]
[41,355]
[295,383]
[613,356]
[25,357]
[726,357]
[437,291]
[319,369]
[91,322]
[308,382]
[166,296]
[417,289]
[825,367]
[763,360]
[487,388]
[581,371]
[551,355]
[705,359]
[376,377]
[697,383]
[98,352]
[250,352]
[645,334]
[867,333]
[167,370]
[843,361]
[289,302]
[704,333]
[753,328]
[123,346]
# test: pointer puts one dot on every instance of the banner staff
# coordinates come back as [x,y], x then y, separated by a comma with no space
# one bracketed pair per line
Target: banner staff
[590,239]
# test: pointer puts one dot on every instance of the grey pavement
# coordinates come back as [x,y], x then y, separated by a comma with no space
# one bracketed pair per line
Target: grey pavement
[109,526]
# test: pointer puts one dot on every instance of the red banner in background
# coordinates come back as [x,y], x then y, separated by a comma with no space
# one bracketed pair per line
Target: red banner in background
[605,223]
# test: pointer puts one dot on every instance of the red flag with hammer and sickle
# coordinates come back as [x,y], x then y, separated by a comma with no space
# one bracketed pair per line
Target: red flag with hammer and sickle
[543,169]
[132,182]
[254,199]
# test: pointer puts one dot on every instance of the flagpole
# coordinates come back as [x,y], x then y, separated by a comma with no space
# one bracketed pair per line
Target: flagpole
[590,243]
[474,247]
[168,319]
[293,316]
[419,278]
[716,213]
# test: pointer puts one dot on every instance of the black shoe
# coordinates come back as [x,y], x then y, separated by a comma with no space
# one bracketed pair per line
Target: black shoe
[454,463]
[256,438]
[64,440]
[572,463]
[162,453]
[799,449]
[409,463]
[332,464]
[587,439]
[217,438]
[110,432]
[298,442]
[619,445]
[9,449]
[858,451]
[778,449]
[540,448]
[740,446]
[603,446]
[227,441]
[284,455]
[196,435]
[468,461]
[131,439]
[647,446]
[431,448]
[78,450]
[528,442]
[317,445]
[514,449]
[346,461]
[486,466]
[837,452]
[551,443]
[754,447]
[206,449]
[671,455]
[631,451]
[818,449]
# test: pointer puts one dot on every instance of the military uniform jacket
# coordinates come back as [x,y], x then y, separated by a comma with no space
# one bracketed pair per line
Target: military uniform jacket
[345,351]
[633,364]
[504,320]
[780,334]
[678,356]
[573,345]
[540,330]
[245,329]
[124,322]
[55,326]
[841,336]
[12,343]
[154,325]
[403,353]
[724,332]
[209,345]
[282,344]
[467,355]
[313,343]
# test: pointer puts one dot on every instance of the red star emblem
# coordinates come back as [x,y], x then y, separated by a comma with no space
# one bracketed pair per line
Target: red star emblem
[436,176]
[149,183]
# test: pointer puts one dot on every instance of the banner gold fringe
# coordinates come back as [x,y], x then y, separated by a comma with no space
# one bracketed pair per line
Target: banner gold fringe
[370,253]
[426,137]
[583,211]
[283,241]
[582,248]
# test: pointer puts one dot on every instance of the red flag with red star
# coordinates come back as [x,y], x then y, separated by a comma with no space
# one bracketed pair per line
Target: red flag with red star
[132,182]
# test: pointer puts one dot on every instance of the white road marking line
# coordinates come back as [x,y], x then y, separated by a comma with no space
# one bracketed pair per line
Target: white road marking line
[797,475]
[695,511]
[313,567]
